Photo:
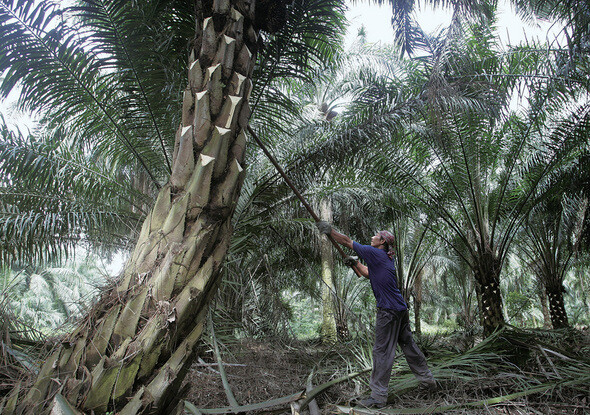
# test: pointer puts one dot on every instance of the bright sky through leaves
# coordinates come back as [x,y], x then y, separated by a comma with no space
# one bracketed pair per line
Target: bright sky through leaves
[377,23]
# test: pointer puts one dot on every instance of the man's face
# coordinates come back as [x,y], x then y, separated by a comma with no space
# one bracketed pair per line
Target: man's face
[376,241]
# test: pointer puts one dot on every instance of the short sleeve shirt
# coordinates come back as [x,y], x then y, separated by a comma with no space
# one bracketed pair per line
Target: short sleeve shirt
[383,277]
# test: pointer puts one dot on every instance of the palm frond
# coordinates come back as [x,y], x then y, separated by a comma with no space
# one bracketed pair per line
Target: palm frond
[289,54]
[66,74]
[52,199]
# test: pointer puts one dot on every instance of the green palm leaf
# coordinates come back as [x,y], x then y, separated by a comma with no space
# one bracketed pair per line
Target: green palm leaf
[52,199]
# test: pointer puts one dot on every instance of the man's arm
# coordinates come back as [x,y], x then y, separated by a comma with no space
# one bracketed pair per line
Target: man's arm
[361,269]
[325,228]
[341,239]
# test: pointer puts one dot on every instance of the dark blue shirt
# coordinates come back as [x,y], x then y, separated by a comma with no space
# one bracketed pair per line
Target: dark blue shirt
[382,276]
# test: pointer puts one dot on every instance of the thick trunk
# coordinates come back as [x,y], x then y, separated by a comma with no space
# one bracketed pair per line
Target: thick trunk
[131,352]
[559,318]
[328,330]
[487,277]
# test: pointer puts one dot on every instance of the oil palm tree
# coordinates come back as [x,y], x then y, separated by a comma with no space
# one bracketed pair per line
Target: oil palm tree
[138,340]
[484,201]
[49,297]
[553,233]
[311,154]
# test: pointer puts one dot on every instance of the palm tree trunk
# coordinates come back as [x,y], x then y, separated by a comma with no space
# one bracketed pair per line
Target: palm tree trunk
[584,288]
[328,330]
[418,301]
[559,318]
[488,289]
[544,308]
[132,350]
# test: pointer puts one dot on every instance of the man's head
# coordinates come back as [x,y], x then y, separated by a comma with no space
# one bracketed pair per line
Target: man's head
[384,240]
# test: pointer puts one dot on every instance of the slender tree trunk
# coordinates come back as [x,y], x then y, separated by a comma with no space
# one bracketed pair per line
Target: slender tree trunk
[545,309]
[466,300]
[131,352]
[328,330]
[556,306]
[418,301]
[487,277]
[585,288]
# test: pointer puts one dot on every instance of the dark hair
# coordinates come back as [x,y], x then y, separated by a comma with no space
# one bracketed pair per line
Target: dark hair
[389,241]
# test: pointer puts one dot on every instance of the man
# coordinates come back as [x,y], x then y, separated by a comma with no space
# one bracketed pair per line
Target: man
[393,322]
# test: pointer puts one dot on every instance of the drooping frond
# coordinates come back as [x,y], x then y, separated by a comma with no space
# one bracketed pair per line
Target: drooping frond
[408,36]
[53,199]
[95,71]
[143,46]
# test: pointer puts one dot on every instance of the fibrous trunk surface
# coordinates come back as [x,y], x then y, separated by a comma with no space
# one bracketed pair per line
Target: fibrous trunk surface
[130,354]
[557,311]
[487,277]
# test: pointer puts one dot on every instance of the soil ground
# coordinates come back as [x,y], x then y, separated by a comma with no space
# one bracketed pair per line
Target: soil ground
[260,370]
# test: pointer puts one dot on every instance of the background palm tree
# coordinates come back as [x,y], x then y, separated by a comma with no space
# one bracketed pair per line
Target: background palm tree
[553,236]
[462,170]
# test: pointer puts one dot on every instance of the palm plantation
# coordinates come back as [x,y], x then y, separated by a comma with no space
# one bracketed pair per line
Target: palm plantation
[143,147]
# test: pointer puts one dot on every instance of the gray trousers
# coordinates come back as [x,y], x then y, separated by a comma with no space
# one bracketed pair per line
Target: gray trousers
[393,327]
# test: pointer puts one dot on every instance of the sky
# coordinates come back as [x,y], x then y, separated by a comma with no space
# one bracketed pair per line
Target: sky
[377,22]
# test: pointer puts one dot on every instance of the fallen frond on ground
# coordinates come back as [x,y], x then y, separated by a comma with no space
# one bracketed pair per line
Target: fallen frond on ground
[513,367]
[513,371]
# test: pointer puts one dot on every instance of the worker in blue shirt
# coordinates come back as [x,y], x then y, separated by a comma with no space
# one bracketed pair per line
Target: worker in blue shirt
[393,323]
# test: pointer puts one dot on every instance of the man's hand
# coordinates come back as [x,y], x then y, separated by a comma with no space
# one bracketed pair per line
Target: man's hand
[351,261]
[324,227]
